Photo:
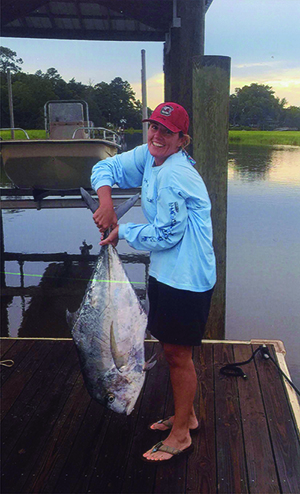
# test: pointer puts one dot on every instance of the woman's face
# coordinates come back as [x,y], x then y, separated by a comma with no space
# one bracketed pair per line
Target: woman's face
[162,142]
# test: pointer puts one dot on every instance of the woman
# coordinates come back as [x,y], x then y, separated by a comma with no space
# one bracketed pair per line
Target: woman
[179,237]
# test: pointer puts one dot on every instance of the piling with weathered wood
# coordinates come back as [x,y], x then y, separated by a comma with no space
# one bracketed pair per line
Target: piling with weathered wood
[211,78]
[184,41]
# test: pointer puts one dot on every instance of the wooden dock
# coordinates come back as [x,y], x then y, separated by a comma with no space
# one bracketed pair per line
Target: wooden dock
[56,439]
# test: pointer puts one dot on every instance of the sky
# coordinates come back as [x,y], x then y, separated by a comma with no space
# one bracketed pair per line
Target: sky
[262,38]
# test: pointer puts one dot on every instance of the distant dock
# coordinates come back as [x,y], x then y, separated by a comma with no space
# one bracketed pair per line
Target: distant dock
[56,439]
[13,198]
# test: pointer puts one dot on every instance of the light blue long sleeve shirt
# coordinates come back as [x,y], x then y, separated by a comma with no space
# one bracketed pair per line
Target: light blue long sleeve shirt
[176,205]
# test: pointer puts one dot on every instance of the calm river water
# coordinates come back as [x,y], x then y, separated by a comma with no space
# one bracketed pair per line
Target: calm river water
[263,260]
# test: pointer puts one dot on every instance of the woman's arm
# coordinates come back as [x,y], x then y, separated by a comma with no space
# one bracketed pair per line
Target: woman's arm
[125,170]
[167,228]
[105,216]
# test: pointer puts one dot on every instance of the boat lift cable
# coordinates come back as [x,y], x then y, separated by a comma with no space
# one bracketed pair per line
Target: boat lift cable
[234,369]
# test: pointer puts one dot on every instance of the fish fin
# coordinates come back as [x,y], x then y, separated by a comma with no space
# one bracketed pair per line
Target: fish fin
[125,206]
[119,359]
[119,210]
[72,318]
[150,364]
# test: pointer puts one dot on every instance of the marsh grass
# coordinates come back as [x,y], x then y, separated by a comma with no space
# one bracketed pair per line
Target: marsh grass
[33,134]
[240,137]
[264,137]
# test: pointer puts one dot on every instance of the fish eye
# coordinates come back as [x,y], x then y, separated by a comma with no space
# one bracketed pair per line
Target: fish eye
[110,398]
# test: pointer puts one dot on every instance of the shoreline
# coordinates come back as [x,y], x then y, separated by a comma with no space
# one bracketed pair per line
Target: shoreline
[238,137]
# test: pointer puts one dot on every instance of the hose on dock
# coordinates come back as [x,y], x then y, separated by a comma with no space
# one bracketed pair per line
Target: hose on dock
[234,369]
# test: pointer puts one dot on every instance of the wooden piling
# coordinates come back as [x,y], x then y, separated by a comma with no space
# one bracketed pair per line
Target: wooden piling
[10,104]
[184,41]
[211,78]
[144,97]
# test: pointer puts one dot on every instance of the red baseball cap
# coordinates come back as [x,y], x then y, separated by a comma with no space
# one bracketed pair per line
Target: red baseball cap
[172,116]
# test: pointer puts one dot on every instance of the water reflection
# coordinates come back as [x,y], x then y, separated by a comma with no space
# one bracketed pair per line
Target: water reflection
[278,164]
[263,256]
[249,163]
[39,309]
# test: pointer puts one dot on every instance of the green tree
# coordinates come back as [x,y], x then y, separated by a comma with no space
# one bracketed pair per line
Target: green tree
[30,93]
[291,117]
[112,103]
[9,60]
[255,106]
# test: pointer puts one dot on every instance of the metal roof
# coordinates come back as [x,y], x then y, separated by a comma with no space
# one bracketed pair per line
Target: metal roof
[122,20]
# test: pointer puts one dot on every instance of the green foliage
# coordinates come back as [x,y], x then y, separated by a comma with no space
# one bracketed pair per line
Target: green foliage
[112,104]
[255,106]
[9,60]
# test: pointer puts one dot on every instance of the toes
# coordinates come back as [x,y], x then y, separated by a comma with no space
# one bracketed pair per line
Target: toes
[156,456]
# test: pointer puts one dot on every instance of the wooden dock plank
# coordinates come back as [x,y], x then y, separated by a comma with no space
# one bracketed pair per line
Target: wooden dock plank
[5,345]
[31,360]
[284,437]
[59,440]
[43,476]
[113,455]
[262,474]
[170,477]
[32,441]
[10,350]
[91,468]
[33,393]
[231,465]
[152,408]
[201,471]
[81,461]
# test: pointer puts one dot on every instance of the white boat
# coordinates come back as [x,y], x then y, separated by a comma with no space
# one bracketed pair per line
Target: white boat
[64,160]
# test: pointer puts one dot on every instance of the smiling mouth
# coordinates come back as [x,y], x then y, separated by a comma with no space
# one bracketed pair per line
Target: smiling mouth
[157,145]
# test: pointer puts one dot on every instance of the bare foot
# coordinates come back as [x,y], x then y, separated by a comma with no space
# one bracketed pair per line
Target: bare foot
[152,455]
[166,424]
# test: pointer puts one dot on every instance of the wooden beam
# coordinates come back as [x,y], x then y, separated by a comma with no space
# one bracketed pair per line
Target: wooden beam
[211,79]
[82,34]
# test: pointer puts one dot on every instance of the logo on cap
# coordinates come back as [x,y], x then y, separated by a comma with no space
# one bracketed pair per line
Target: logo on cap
[166,110]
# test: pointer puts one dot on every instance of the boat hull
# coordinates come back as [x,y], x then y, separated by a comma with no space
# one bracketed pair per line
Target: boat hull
[54,165]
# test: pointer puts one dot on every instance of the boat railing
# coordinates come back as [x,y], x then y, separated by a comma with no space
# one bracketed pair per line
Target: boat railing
[12,129]
[99,133]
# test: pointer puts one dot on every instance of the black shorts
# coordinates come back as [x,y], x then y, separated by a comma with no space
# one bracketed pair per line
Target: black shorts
[177,316]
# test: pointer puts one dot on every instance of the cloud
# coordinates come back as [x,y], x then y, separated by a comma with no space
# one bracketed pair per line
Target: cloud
[256,64]
[284,81]
[155,90]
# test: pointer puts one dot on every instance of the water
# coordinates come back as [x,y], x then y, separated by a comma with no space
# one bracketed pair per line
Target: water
[263,256]
[263,262]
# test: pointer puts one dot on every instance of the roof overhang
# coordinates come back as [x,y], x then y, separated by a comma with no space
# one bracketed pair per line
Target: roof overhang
[115,20]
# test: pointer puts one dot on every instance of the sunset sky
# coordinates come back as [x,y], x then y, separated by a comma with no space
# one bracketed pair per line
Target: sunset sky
[262,37]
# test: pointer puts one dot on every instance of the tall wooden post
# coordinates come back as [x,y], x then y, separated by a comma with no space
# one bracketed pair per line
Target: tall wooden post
[211,79]
[10,103]
[144,97]
[184,41]
[2,262]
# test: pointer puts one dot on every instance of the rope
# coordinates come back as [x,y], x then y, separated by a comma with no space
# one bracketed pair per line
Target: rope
[234,369]
[7,363]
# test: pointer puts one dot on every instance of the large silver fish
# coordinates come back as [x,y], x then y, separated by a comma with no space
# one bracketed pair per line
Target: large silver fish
[109,330]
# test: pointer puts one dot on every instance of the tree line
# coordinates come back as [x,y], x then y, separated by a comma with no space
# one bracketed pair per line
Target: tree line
[110,104]
[114,104]
[256,106]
